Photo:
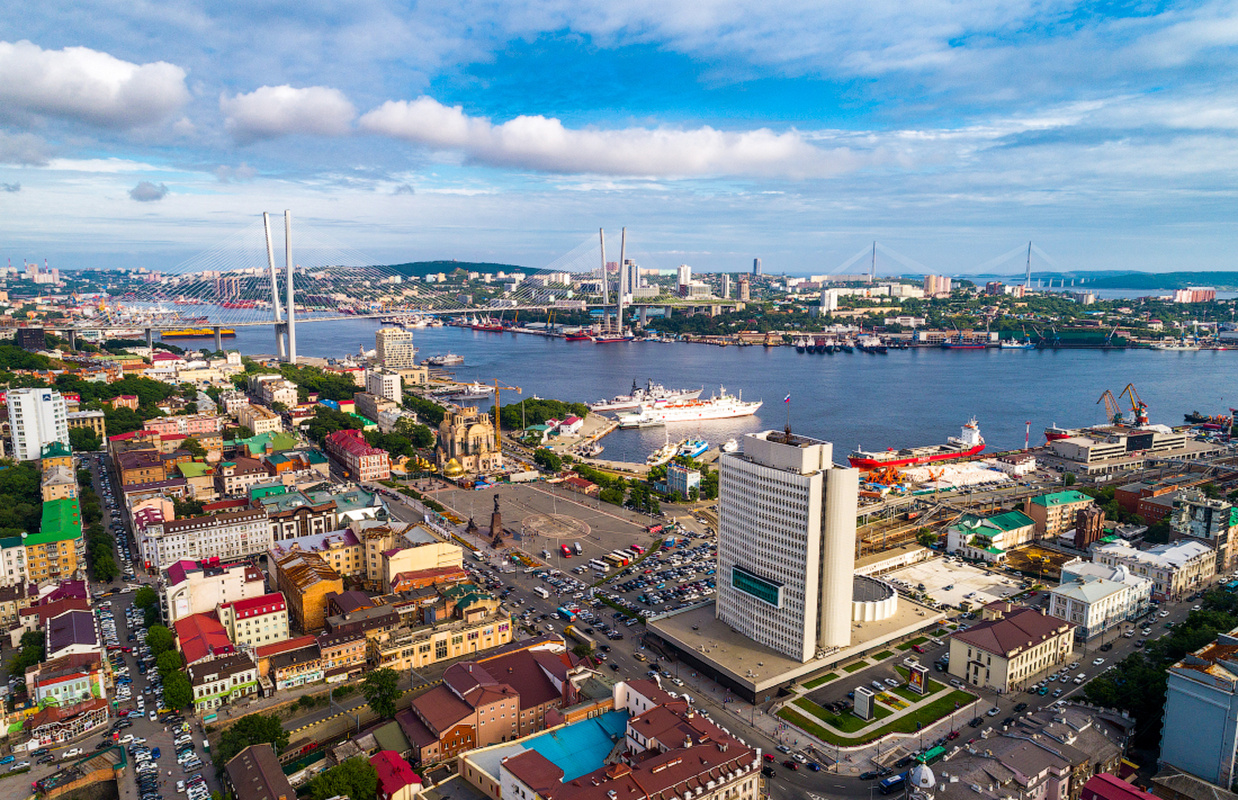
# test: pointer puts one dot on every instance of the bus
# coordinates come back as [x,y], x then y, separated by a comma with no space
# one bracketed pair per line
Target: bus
[541,592]
[566,551]
[600,566]
[893,783]
[930,757]
[628,554]
[568,614]
[580,551]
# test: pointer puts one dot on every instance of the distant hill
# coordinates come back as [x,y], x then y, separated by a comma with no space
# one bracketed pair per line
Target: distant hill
[422,268]
[1164,280]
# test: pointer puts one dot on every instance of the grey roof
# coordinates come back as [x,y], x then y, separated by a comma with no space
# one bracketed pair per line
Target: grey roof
[70,628]
[255,774]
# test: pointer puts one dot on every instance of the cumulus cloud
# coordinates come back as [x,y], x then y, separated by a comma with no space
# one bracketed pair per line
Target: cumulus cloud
[81,84]
[404,188]
[543,143]
[271,111]
[10,187]
[226,173]
[147,192]
[23,148]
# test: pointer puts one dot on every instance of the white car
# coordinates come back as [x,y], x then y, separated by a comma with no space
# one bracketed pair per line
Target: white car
[1097,662]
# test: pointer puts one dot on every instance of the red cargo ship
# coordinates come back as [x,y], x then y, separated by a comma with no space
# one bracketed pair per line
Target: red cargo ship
[969,443]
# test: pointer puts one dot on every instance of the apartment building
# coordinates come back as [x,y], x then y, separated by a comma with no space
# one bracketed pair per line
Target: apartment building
[1010,647]
[1176,569]
[257,621]
[359,461]
[227,536]
[199,587]
[1053,514]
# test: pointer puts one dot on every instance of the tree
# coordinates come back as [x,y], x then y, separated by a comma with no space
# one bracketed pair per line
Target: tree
[83,440]
[381,690]
[177,692]
[186,508]
[1068,479]
[145,597]
[251,729]
[547,459]
[31,653]
[168,662]
[160,640]
[356,779]
[193,447]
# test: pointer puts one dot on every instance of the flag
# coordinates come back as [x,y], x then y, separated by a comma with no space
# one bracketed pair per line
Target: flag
[787,399]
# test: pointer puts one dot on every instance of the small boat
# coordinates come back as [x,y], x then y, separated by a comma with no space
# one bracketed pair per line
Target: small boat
[1011,344]
[730,446]
[473,391]
[662,455]
[612,339]
[448,360]
[693,448]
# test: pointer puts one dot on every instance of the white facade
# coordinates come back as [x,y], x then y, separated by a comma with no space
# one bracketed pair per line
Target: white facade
[786,544]
[384,384]
[1175,569]
[393,347]
[37,418]
[1097,603]
[13,570]
[202,590]
[228,536]
[683,275]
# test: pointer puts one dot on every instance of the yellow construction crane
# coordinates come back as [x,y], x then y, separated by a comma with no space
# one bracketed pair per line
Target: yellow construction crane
[1139,409]
[498,424]
[1112,410]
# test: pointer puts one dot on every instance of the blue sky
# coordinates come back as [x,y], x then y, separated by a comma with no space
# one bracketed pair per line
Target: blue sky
[141,133]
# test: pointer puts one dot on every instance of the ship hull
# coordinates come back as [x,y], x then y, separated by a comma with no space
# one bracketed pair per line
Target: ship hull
[896,461]
[196,333]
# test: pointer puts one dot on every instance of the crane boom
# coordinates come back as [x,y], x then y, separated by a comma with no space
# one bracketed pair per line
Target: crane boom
[1139,409]
[1113,411]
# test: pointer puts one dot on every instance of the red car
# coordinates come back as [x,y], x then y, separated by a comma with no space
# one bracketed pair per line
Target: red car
[789,764]
[952,735]
[918,648]
[769,756]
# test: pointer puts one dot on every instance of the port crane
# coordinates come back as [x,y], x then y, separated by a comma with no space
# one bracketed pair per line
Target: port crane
[1113,411]
[1139,409]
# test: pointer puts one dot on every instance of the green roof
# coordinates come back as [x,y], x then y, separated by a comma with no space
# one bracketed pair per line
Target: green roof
[62,519]
[56,450]
[1061,498]
[1011,521]
[259,490]
[194,469]
[272,441]
[988,527]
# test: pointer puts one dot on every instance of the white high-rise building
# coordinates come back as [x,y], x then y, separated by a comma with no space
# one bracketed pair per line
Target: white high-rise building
[684,275]
[725,291]
[786,544]
[394,348]
[37,418]
[384,384]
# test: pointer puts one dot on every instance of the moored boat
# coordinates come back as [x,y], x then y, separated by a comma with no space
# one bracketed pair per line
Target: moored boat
[969,443]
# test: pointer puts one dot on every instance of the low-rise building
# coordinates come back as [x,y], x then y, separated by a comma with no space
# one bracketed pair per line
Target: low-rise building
[222,680]
[255,774]
[294,515]
[391,548]
[408,648]
[341,549]
[396,779]
[989,538]
[681,480]
[227,536]
[1010,647]
[235,476]
[71,633]
[259,419]
[256,621]
[1201,705]
[13,570]
[1175,569]
[202,637]
[295,662]
[272,389]
[59,483]
[360,461]
[343,655]
[198,587]
[1053,514]
[56,724]
[1097,599]
[384,383]
[67,680]
[305,580]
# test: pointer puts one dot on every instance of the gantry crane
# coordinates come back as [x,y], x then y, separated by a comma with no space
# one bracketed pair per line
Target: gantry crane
[1113,411]
[1139,409]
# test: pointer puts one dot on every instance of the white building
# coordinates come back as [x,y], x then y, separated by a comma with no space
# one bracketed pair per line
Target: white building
[272,389]
[37,417]
[228,536]
[786,544]
[1016,464]
[13,570]
[384,384]
[1097,598]
[1176,569]
[683,275]
[393,347]
[259,419]
[188,587]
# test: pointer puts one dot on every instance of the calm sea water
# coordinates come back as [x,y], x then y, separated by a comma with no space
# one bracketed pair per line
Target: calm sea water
[904,398]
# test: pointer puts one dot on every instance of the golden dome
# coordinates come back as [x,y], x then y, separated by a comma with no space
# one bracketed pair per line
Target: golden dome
[453,469]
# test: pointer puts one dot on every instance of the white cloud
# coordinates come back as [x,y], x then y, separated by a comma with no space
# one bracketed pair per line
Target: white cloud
[147,192]
[271,111]
[544,144]
[227,173]
[81,84]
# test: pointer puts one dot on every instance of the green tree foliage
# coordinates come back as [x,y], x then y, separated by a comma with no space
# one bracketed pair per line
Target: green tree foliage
[356,779]
[251,729]
[149,392]
[327,421]
[393,443]
[14,358]
[381,690]
[328,385]
[547,459]
[193,447]
[20,491]
[84,440]
[612,495]
[1068,479]
[187,507]
[124,420]
[177,691]
[427,410]
[145,598]
[420,435]
[160,640]
[168,662]
[1137,684]
[536,411]
[31,653]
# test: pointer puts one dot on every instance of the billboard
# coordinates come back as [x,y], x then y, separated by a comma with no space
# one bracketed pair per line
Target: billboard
[863,705]
[917,678]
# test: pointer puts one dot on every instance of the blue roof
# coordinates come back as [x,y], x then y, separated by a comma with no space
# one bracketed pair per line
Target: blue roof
[581,748]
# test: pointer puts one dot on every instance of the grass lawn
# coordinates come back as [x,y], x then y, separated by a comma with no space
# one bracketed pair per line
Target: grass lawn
[883,655]
[929,713]
[856,667]
[824,679]
[940,632]
[840,723]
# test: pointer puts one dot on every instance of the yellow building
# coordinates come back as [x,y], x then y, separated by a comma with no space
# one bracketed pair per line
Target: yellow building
[56,455]
[395,547]
[466,436]
[92,421]
[1011,648]
[414,648]
[306,580]
[55,552]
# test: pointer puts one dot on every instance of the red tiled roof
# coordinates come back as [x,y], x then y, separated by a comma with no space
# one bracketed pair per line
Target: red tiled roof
[257,606]
[201,636]
[394,773]
[268,650]
[1015,631]
[55,609]
[441,709]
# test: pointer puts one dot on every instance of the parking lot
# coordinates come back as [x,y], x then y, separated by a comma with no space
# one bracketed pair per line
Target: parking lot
[951,581]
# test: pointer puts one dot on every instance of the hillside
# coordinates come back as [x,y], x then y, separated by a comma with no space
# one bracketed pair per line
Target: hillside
[423,268]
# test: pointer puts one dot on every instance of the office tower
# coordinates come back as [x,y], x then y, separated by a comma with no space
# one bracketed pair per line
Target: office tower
[756,266]
[725,291]
[684,274]
[786,544]
[394,348]
[37,418]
